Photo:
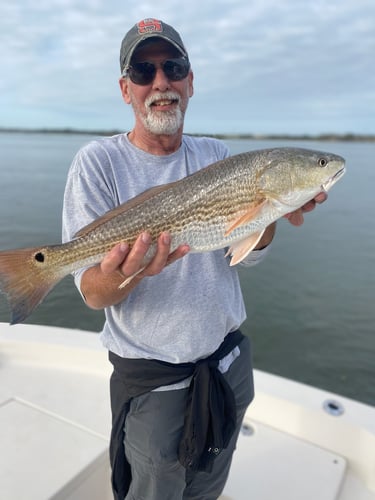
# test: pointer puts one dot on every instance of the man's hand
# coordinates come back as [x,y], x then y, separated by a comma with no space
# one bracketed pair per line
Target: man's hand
[296,218]
[130,261]
[100,284]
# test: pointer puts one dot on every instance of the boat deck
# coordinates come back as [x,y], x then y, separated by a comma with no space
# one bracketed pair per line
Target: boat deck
[55,424]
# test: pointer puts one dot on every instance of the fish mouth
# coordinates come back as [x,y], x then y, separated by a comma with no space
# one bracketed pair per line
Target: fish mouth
[332,180]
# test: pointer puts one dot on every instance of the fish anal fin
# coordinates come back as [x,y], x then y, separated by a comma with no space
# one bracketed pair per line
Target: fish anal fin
[245,217]
[130,278]
[242,248]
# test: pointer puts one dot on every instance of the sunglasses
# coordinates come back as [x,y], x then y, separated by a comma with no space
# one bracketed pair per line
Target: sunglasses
[143,73]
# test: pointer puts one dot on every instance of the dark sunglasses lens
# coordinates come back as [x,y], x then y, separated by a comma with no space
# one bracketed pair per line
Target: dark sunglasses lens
[142,73]
[176,69]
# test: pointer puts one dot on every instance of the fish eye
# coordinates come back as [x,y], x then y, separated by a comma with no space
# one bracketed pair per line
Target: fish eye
[323,162]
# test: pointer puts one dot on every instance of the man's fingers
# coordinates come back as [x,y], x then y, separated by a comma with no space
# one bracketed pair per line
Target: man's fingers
[309,206]
[321,197]
[129,262]
[296,218]
[164,256]
[134,260]
[114,258]
[180,252]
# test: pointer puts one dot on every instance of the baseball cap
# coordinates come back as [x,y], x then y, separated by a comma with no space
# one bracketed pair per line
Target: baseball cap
[148,28]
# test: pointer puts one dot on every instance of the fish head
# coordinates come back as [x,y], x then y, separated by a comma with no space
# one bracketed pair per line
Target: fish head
[294,176]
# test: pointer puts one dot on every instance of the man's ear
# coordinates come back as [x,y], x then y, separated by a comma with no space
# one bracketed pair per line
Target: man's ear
[191,86]
[124,86]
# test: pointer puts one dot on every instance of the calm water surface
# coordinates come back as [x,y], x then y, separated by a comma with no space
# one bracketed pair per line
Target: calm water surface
[310,304]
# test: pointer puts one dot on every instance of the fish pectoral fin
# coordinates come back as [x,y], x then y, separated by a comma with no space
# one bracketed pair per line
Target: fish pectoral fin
[242,248]
[246,217]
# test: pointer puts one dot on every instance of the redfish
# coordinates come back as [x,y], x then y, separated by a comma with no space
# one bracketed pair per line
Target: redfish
[225,205]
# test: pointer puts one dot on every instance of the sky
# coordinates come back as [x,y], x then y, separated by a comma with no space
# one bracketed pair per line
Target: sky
[260,66]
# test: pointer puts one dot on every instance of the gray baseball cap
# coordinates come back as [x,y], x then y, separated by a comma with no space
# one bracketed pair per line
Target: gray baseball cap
[148,28]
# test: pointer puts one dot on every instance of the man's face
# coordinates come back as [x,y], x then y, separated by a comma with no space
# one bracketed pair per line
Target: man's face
[160,106]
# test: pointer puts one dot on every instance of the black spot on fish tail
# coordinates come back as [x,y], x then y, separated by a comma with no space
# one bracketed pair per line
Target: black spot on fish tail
[24,282]
[39,257]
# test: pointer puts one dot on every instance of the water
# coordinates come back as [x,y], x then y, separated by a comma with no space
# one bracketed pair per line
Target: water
[310,304]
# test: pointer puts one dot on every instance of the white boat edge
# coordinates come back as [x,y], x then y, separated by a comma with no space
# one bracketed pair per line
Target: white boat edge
[298,442]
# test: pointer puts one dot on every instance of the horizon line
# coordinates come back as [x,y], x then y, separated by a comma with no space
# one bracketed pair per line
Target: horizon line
[348,136]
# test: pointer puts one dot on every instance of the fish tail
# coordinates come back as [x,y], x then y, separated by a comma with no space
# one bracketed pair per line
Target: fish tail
[24,282]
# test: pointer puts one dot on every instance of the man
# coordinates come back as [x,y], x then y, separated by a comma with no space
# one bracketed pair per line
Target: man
[182,375]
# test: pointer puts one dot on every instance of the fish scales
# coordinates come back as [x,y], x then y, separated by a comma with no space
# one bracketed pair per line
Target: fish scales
[227,204]
[187,206]
[195,202]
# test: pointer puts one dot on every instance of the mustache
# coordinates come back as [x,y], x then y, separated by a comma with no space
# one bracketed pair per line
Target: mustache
[162,96]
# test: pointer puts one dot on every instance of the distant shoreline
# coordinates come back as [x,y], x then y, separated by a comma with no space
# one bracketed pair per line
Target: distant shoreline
[348,137]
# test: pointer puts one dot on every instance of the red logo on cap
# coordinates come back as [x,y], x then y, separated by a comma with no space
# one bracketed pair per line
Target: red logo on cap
[149,26]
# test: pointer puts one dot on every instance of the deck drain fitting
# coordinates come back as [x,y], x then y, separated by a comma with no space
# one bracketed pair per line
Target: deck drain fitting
[247,429]
[333,407]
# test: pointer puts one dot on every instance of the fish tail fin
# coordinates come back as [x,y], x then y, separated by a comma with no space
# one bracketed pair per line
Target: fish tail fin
[25,281]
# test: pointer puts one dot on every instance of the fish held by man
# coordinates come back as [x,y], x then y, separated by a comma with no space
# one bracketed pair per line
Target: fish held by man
[225,205]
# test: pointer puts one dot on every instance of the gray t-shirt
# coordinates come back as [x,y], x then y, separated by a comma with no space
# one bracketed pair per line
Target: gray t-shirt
[184,313]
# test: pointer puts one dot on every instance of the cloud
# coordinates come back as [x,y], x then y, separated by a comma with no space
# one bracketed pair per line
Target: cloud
[266,62]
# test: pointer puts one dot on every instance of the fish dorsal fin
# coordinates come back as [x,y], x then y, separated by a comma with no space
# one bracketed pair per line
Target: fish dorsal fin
[242,248]
[124,207]
[246,217]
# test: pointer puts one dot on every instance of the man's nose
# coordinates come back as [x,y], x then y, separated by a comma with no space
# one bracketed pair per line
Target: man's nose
[161,81]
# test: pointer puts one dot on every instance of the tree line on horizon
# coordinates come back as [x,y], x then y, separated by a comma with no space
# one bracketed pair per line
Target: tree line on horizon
[320,137]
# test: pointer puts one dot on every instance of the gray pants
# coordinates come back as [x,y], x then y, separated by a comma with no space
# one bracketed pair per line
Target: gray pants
[152,432]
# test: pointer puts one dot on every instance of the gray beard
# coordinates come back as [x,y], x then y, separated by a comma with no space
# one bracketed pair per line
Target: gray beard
[163,122]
